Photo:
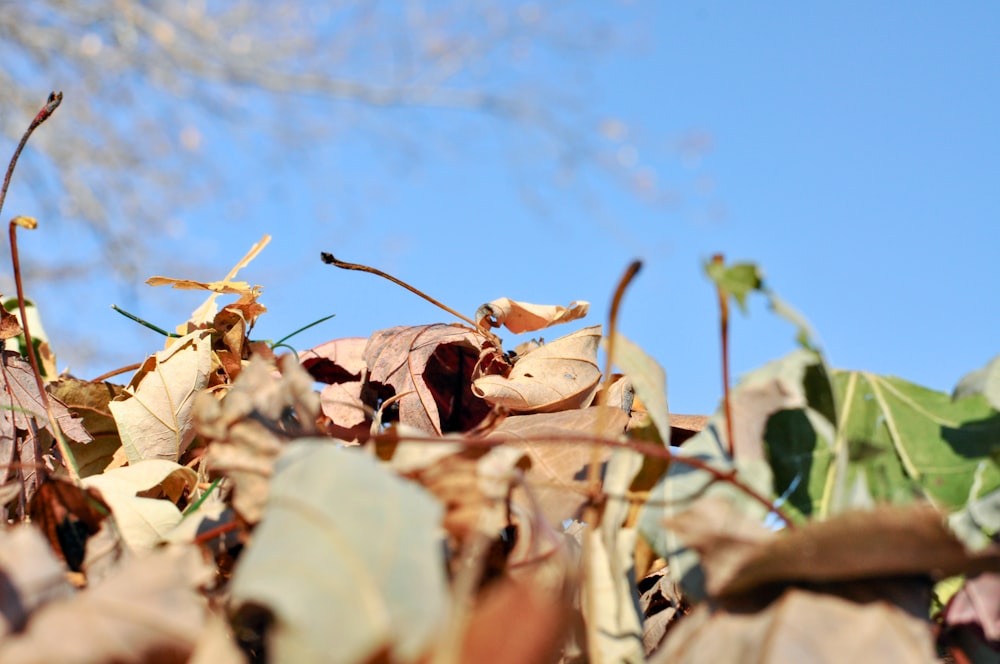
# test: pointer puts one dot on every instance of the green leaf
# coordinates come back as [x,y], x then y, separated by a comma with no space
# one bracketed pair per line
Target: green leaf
[347,558]
[736,280]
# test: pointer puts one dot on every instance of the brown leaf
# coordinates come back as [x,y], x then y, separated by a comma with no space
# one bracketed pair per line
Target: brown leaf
[557,478]
[561,375]
[740,555]
[801,626]
[246,427]
[515,622]
[69,516]
[149,610]
[429,367]
[340,364]
[977,603]
[30,575]
[89,402]
[521,317]
[154,412]
[10,325]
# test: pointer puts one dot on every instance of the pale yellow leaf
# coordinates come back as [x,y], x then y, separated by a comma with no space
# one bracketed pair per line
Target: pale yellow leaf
[560,375]
[521,317]
[153,414]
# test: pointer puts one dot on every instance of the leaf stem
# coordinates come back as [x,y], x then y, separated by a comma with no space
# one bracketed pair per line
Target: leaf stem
[329,259]
[55,98]
[724,333]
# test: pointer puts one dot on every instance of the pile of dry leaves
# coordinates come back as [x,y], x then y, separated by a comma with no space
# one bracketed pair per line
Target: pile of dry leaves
[425,495]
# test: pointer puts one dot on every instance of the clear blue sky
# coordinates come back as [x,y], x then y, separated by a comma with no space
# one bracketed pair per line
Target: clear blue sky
[853,151]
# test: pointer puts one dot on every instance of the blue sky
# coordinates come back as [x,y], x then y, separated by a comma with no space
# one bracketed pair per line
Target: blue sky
[852,151]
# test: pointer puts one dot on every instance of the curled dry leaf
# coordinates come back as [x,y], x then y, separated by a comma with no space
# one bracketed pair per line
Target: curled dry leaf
[800,626]
[248,427]
[31,577]
[150,609]
[521,317]
[739,555]
[557,478]
[90,402]
[70,516]
[154,412]
[341,365]
[560,375]
[347,560]
[143,520]
[429,369]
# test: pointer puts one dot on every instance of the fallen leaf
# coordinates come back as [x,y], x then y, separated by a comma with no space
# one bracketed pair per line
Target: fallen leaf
[977,603]
[336,592]
[31,577]
[154,412]
[515,622]
[557,478]
[144,520]
[560,375]
[801,626]
[89,402]
[69,515]
[149,610]
[739,555]
[429,369]
[341,365]
[247,427]
[521,317]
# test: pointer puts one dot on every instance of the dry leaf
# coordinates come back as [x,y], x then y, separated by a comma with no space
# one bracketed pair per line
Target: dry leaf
[246,427]
[154,412]
[561,375]
[801,626]
[224,286]
[341,365]
[977,603]
[31,576]
[69,515]
[10,325]
[740,555]
[521,317]
[557,478]
[429,367]
[89,401]
[149,610]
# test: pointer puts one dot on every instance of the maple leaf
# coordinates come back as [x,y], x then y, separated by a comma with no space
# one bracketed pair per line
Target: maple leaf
[429,368]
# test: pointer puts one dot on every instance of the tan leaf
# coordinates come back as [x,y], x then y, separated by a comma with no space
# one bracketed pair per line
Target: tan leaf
[521,317]
[31,574]
[560,375]
[341,365]
[134,495]
[149,610]
[10,325]
[557,478]
[739,554]
[429,368]
[223,286]
[801,626]
[154,412]
[89,401]
[245,427]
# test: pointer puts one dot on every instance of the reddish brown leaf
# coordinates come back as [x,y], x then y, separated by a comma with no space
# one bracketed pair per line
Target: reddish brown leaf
[340,364]
[68,515]
[977,603]
[430,367]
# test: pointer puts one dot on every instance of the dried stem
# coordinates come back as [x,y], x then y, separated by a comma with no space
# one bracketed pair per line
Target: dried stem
[51,104]
[724,333]
[329,259]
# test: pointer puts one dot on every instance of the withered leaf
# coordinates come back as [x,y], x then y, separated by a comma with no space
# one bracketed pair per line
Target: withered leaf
[341,365]
[149,610]
[521,317]
[800,626]
[557,478]
[246,426]
[10,325]
[69,516]
[30,576]
[154,412]
[89,401]
[739,555]
[430,368]
[560,375]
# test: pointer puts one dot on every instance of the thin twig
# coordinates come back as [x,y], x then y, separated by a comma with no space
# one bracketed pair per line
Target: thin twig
[115,372]
[55,98]
[329,259]
[724,333]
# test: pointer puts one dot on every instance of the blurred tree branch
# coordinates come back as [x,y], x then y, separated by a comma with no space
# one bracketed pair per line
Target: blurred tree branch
[128,153]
